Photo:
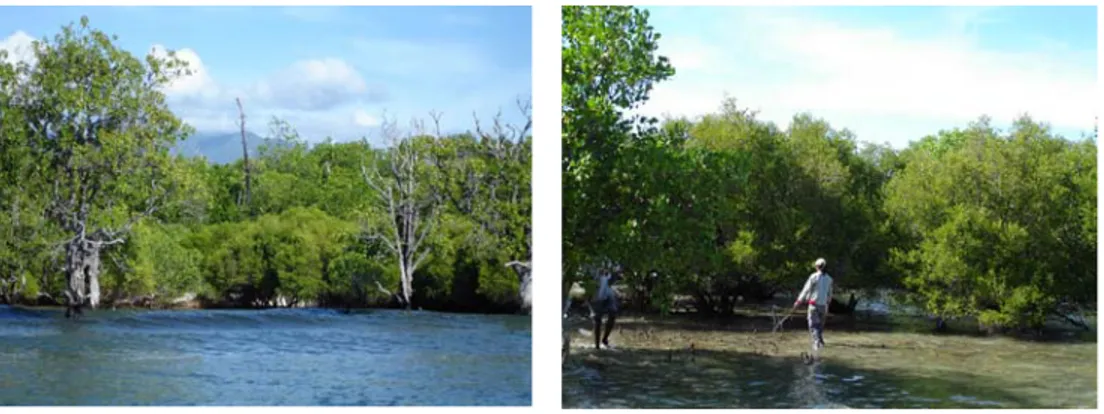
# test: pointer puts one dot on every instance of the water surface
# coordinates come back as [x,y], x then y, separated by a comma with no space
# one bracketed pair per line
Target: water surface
[270,357]
[653,367]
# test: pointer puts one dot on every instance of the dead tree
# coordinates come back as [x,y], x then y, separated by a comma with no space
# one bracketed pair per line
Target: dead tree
[486,196]
[410,205]
[245,160]
[82,251]
[97,133]
[504,145]
[97,142]
[525,282]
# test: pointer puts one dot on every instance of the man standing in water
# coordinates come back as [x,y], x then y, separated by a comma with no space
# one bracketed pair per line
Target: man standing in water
[817,293]
[605,303]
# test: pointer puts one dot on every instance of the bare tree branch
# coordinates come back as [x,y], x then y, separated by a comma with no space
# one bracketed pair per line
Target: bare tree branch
[409,202]
[245,159]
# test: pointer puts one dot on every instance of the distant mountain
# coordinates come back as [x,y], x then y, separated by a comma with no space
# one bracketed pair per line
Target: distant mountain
[219,148]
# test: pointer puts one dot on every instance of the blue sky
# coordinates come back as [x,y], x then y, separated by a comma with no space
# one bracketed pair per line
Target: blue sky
[889,74]
[329,71]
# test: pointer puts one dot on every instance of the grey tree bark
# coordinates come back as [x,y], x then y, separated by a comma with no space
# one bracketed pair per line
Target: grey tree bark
[82,251]
[525,283]
[498,137]
[500,187]
[245,160]
[411,205]
[82,265]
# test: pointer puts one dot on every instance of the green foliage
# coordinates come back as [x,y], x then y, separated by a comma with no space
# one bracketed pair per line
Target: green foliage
[158,263]
[1000,224]
[353,276]
[87,132]
[184,225]
[972,222]
[98,121]
[609,67]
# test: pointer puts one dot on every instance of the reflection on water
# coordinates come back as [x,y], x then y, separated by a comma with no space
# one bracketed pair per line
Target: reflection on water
[276,357]
[905,371]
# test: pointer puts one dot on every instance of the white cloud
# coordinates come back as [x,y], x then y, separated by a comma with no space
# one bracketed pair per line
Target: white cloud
[195,85]
[689,53]
[207,119]
[19,46]
[784,63]
[364,119]
[300,93]
[315,85]
[313,126]
[332,97]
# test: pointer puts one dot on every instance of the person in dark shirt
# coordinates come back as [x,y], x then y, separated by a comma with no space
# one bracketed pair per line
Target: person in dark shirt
[605,304]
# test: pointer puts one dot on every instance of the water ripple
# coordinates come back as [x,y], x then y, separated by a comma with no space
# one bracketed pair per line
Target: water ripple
[277,357]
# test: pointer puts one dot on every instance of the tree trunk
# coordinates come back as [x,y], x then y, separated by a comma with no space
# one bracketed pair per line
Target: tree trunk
[525,279]
[82,270]
[406,285]
[411,212]
[12,287]
[6,294]
[245,162]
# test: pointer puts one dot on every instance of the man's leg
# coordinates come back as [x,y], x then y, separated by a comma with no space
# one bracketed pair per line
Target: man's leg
[609,328]
[611,310]
[814,326]
[817,326]
[597,331]
[598,309]
[820,328]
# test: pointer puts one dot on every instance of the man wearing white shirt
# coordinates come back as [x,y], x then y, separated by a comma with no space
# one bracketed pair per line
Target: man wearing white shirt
[817,293]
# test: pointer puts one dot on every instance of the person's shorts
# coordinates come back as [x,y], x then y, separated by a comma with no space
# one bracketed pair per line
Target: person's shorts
[603,307]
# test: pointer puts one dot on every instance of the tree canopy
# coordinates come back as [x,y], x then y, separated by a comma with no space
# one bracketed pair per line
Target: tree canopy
[726,207]
[95,196]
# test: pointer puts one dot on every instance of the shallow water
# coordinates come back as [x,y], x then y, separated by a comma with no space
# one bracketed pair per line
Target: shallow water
[270,357]
[858,370]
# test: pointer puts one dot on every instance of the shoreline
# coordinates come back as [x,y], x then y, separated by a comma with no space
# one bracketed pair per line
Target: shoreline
[759,322]
[197,307]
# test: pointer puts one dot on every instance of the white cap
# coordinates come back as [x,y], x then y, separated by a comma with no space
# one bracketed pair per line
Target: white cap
[819,263]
